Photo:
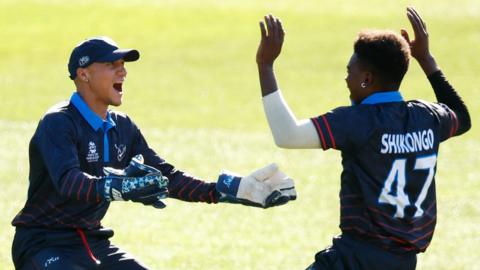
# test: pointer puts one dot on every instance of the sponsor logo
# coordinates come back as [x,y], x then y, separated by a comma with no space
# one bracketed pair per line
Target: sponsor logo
[228,181]
[117,195]
[83,60]
[92,155]
[121,150]
[51,260]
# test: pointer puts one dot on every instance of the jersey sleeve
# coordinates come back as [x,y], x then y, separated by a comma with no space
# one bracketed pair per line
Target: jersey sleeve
[181,185]
[447,120]
[447,95]
[57,145]
[341,128]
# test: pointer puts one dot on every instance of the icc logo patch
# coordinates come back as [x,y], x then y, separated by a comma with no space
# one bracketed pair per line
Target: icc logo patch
[92,155]
[83,60]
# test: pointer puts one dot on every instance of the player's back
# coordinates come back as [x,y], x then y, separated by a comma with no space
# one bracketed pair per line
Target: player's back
[389,162]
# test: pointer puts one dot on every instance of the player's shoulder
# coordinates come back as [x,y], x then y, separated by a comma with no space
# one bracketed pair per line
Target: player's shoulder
[434,108]
[354,112]
[420,103]
[346,110]
[59,111]
[118,114]
[58,117]
[59,107]
[121,118]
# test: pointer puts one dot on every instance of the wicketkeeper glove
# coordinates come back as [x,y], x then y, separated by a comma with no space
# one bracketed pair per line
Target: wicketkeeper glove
[264,188]
[137,182]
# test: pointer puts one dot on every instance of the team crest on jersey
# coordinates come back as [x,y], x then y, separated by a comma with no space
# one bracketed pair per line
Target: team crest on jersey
[92,155]
[121,150]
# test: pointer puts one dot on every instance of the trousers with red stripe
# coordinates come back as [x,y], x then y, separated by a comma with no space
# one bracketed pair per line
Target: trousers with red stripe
[95,254]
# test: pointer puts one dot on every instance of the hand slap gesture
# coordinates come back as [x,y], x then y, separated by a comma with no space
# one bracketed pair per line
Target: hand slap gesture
[272,40]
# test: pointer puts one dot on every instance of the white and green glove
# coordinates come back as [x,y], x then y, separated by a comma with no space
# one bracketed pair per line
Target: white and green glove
[264,188]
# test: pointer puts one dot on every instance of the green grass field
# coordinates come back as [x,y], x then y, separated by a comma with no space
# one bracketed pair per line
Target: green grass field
[196,96]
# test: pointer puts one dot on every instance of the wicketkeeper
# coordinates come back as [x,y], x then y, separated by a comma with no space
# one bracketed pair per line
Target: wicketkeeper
[84,156]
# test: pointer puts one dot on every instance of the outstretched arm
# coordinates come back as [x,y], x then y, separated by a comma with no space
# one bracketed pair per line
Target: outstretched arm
[265,188]
[287,131]
[444,91]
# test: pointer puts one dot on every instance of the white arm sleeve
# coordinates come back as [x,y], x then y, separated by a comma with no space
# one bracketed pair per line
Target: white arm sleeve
[287,131]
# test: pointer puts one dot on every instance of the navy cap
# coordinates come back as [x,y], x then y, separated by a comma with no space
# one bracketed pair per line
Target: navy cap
[98,49]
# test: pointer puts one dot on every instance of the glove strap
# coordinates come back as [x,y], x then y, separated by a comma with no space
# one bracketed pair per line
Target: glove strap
[112,190]
[228,184]
[107,188]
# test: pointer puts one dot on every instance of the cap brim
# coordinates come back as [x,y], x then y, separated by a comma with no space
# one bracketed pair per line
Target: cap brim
[129,55]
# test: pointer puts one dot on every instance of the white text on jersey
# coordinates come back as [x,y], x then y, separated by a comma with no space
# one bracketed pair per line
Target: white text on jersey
[410,142]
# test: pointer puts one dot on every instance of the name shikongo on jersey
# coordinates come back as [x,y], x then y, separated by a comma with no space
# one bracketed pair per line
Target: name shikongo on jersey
[389,153]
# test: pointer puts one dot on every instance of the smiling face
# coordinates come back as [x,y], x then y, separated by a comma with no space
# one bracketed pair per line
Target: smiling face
[105,82]
[100,85]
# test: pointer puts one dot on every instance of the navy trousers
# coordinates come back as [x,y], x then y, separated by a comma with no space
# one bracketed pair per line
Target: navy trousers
[348,253]
[78,257]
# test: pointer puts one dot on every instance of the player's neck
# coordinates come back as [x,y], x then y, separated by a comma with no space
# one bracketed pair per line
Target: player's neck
[386,88]
[95,104]
[100,110]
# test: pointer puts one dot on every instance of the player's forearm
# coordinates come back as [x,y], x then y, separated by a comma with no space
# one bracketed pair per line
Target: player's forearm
[268,82]
[80,186]
[181,185]
[187,188]
[428,64]
[446,94]
[287,131]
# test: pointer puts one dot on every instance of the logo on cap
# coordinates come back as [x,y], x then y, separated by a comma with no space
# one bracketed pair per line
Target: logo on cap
[83,60]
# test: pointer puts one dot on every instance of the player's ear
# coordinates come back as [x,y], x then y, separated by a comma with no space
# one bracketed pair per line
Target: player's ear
[82,74]
[368,79]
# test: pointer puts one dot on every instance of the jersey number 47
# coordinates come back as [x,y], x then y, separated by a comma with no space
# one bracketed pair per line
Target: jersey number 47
[397,172]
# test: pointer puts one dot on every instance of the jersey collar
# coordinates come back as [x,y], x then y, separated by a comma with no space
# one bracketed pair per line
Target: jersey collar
[383,97]
[92,118]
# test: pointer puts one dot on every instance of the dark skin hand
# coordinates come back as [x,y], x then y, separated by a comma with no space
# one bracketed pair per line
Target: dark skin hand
[419,46]
[272,37]
[420,51]
[271,42]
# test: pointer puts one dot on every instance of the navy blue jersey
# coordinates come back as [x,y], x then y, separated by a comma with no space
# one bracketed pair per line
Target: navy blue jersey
[67,153]
[389,151]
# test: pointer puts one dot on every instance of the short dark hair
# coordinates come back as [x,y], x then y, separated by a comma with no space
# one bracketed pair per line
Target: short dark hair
[385,52]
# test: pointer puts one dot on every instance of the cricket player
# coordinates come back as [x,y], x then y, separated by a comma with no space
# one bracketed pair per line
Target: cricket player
[83,156]
[389,146]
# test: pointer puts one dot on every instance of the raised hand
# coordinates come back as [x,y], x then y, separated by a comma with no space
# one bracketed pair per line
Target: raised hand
[419,47]
[271,41]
